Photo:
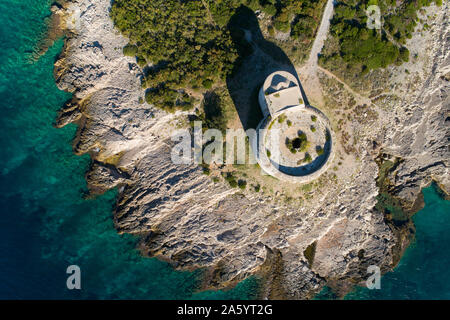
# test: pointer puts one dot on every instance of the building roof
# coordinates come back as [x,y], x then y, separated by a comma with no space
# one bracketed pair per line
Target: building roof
[280,90]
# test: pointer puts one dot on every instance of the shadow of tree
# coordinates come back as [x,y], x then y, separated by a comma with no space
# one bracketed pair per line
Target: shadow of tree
[258,58]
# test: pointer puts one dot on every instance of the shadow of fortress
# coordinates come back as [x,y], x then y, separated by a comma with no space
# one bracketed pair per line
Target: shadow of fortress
[258,58]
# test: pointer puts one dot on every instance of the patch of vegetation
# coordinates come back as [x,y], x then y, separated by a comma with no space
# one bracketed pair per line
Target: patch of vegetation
[282,118]
[130,50]
[313,118]
[271,124]
[268,153]
[313,129]
[207,83]
[176,37]
[283,26]
[300,18]
[193,44]
[231,180]
[307,158]
[289,123]
[319,150]
[216,109]
[169,99]
[242,184]
[205,169]
[353,49]
[298,144]
[307,187]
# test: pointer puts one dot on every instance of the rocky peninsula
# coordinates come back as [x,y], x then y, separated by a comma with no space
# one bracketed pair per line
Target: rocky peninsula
[390,143]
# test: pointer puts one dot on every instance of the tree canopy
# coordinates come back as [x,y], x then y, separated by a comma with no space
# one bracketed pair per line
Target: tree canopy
[365,48]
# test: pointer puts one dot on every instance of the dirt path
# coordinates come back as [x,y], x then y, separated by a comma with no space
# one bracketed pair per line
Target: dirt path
[321,34]
[308,72]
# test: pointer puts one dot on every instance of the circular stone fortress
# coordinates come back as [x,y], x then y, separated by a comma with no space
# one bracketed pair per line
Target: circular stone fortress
[294,140]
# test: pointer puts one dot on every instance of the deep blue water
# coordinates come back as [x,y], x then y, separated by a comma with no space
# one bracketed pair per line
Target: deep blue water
[46,225]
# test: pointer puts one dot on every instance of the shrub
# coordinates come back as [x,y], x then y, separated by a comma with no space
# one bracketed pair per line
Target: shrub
[270,9]
[141,61]
[281,118]
[307,158]
[303,28]
[242,184]
[289,123]
[300,143]
[207,83]
[319,150]
[404,54]
[206,169]
[232,183]
[313,129]
[130,50]
[168,99]
[231,180]
[214,112]
[282,26]
[163,36]
[304,144]
[313,118]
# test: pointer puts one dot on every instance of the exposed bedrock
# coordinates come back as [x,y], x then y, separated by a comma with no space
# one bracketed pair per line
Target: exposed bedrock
[187,219]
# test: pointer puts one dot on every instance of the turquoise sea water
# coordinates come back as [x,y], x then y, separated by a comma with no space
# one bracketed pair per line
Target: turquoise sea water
[46,225]
[423,272]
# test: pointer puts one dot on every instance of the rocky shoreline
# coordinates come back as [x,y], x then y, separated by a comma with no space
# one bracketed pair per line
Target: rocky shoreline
[193,222]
